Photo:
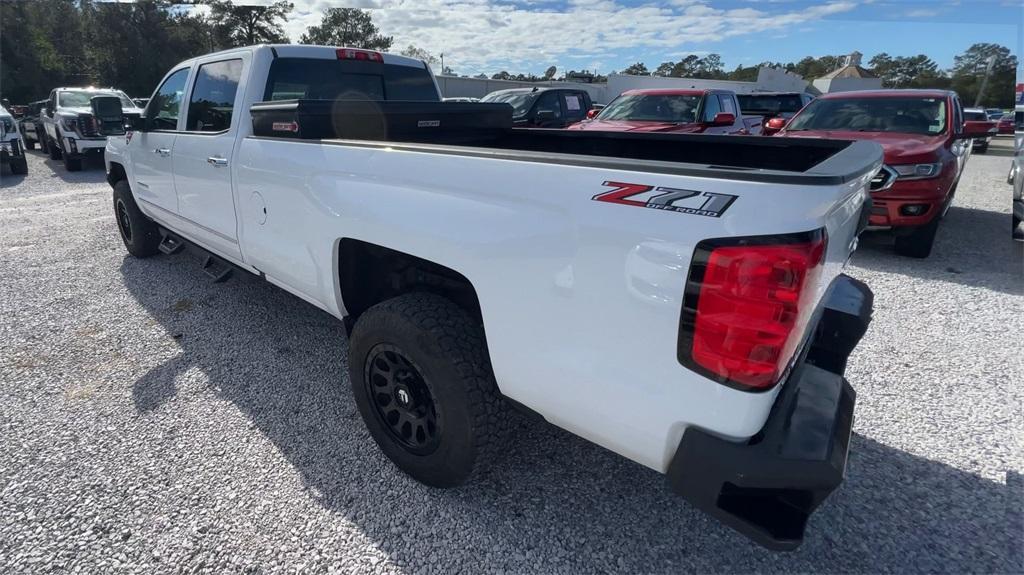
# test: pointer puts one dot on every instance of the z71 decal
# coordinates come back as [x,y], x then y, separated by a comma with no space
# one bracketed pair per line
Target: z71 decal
[662,198]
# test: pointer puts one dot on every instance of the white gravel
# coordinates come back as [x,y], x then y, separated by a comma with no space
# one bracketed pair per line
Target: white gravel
[152,421]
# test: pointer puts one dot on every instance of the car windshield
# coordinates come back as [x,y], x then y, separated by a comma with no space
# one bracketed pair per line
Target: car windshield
[924,116]
[771,104]
[677,109]
[521,102]
[80,98]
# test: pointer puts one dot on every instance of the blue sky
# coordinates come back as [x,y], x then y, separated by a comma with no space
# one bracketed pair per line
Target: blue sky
[529,35]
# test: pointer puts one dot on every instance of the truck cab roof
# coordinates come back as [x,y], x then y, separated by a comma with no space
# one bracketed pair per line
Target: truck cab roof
[309,51]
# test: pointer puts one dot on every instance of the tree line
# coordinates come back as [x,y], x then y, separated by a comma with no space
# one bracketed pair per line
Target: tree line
[920,71]
[48,43]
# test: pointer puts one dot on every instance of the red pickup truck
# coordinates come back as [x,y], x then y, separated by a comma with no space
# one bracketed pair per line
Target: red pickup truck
[926,142]
[673,111]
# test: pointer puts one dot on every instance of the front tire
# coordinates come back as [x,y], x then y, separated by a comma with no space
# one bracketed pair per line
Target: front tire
[30,144]
[53,148]
[72,164]
[918,242]
[140,235]
[19,167]
[422,381]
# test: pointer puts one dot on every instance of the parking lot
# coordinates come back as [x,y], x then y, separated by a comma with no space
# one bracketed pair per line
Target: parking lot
[155,421]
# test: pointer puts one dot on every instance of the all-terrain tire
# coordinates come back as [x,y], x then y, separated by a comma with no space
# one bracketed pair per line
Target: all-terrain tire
[30,144]
[140,235]
[444,345]
[19,167]
[72,164]
[53,148]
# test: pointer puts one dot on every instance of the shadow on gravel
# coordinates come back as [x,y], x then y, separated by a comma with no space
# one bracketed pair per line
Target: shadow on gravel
[1001,152]
[7,179]
[555,503]
[974,248]
[93,170]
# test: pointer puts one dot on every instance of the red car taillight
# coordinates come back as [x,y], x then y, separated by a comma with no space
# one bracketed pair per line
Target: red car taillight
[746,306]
[364,55]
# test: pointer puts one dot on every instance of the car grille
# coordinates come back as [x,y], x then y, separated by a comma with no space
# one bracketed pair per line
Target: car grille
[883,179]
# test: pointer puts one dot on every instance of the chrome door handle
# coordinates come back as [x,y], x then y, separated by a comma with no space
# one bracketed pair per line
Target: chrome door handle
[217,162]
[162,152]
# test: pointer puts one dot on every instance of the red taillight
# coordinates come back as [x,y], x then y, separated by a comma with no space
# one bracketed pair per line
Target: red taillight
[366,55]
[747,305]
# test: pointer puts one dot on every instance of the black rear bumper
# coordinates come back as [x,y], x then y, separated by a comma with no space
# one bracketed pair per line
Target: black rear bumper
[768,487]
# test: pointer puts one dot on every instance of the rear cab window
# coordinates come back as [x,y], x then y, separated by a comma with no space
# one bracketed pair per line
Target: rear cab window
[316,79]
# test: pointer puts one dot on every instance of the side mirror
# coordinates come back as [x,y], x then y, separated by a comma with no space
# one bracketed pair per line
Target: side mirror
[544,116]
[977,129]
[773,126]
[591,114]
[108,114]
[723,119]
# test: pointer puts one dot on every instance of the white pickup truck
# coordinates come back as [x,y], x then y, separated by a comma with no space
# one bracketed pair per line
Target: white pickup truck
[12,147]
[69,129]
[677,299]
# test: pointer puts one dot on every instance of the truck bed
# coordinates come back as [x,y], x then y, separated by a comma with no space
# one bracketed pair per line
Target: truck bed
[485,129]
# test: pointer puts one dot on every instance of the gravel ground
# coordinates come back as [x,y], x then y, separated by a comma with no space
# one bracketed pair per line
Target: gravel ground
[155,422]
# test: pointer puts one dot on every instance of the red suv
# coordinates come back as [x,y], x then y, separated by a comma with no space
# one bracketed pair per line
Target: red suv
[926,143]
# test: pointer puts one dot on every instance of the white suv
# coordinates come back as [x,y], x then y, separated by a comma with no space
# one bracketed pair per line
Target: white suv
[12,148]
[69,129]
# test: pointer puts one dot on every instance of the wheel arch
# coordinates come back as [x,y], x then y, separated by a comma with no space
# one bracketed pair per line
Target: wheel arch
[370,273]
[116,173]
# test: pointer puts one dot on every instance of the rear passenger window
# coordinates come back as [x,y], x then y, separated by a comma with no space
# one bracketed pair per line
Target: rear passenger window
[213,97]
[574,106]
[727,105]
[315,79]
[548,102]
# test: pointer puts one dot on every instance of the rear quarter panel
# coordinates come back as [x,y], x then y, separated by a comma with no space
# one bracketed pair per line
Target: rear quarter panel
[581,299]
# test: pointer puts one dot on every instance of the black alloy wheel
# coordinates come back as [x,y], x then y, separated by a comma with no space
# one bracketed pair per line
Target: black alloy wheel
[402,399]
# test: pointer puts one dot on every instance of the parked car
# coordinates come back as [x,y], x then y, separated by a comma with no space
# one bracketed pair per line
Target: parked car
[926,141]
[70,130]
[673,111]
[543,107]
[770,105]
[1005,124]
[30,125]
[12,149]
[622,283]
[995,113]
[980,144]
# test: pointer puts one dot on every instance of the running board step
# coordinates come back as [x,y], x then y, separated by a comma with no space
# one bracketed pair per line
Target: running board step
[170,245]
[217,269]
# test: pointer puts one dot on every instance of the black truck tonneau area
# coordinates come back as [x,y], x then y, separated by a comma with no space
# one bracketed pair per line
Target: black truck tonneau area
[485,129]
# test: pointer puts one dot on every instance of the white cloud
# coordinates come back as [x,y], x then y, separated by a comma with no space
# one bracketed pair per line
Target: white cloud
[529,35]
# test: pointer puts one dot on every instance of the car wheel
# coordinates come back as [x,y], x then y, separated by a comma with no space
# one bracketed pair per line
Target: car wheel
[53,148]
[423,383]
[19,167]
[30,144]
[72,164]
[140,235]
[917,243]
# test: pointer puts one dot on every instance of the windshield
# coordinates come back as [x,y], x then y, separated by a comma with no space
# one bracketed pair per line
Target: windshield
[774,104]
[925,116]
[521,102]
[975,116]
[80,98]
[653,108]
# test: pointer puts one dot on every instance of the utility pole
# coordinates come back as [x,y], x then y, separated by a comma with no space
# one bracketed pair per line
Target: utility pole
[984,81]
[442,63]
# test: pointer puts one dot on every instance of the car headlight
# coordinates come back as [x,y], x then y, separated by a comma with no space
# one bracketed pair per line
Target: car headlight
[69,123]
[917,171]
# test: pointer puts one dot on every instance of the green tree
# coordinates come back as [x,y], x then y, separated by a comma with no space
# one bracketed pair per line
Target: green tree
[969,71]
[503,75]
[637,69]
[245,25]
[907,71]
[347,27]
[420,54]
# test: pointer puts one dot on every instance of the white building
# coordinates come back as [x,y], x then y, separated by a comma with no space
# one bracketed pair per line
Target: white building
[850,76]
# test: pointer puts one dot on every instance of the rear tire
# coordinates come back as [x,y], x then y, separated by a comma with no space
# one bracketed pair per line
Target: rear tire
[918,242]
[140,235]
[30,144]
[19,167]
[417,359]
[981,149]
